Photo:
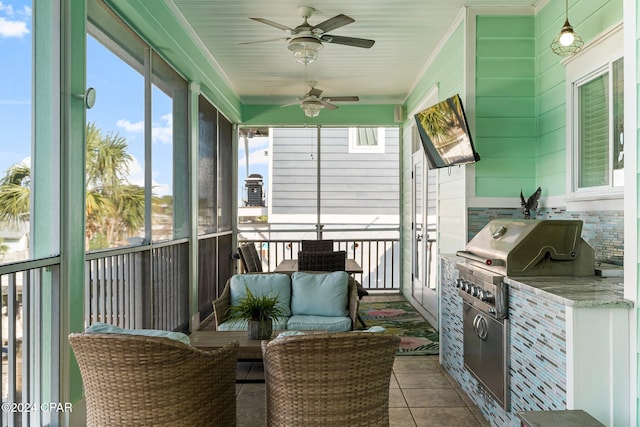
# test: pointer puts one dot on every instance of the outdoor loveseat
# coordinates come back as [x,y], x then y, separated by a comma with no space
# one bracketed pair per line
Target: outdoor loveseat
[311,300]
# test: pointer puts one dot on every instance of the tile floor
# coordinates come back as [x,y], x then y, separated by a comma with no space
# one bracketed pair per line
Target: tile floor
[421,393]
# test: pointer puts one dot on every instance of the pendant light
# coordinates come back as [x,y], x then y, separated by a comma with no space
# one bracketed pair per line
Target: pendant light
[566,43]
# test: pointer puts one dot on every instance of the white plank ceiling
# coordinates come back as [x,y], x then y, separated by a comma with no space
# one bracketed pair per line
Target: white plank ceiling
[407,32]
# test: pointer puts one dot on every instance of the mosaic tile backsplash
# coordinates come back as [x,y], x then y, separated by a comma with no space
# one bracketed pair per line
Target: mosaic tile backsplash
[603,230]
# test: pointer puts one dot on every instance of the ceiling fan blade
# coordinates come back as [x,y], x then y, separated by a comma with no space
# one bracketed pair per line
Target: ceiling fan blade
[349,41]
[314,92]
[328,105]
[273,24]
[265,41]
[341,98]
[333,23]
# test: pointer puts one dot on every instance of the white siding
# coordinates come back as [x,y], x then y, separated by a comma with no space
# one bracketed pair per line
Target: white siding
[361,185]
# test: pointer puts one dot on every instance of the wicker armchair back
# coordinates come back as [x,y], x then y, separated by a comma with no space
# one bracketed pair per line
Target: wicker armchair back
[322,261]
[339,379]
[317,245]
[132,380]
[250,258]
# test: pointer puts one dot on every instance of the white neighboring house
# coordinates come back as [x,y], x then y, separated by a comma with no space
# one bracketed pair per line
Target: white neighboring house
[15,239]
[358,193]
[359,172]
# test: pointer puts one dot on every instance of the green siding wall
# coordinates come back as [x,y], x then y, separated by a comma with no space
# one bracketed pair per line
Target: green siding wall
[589,18]
[505,131]
[447,73]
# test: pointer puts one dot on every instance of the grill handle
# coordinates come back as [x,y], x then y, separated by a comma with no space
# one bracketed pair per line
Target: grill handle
[483,260]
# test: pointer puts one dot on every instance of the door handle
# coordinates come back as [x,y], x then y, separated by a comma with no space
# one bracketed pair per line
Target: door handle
[480,327]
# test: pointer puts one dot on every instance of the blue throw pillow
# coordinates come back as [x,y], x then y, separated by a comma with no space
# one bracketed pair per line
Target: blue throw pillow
[263,284]
[320,294]
[103,328]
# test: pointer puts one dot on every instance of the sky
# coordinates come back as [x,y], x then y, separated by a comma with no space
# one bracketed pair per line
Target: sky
[118,110]
[15,83]
[259,156]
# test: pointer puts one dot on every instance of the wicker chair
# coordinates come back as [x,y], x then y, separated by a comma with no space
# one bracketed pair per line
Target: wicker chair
[250,259]
[133,380]
[317,245]
[322,261]
[339,379]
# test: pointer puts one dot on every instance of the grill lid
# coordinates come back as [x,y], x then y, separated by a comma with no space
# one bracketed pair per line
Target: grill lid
[532,247]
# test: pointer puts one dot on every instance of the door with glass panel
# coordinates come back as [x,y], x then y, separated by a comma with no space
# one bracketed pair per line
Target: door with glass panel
[424,244]
[418,228]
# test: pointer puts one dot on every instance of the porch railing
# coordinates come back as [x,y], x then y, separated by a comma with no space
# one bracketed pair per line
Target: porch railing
[379,257]
[30,340]
[139,287]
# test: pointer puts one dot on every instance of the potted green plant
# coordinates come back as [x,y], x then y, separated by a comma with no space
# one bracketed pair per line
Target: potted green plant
[259,311]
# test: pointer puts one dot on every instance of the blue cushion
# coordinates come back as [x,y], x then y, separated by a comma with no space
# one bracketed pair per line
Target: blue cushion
[263,284]
[103,328]
[301,322]
[279,324]
[320,294]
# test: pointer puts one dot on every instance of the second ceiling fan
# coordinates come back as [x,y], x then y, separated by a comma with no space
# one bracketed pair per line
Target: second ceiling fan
[306,40]
[312,102]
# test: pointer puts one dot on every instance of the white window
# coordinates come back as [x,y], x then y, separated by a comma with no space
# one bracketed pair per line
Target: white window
[595,118]
[366,140]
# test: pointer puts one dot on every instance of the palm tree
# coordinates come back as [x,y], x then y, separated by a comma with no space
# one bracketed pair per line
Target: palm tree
[14,195]
[114,207]
[107,160]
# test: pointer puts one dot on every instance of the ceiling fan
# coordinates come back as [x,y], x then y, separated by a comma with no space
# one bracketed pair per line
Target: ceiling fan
[311,103]
[306,40]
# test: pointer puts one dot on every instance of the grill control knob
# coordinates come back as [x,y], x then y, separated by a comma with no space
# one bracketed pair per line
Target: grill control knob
[485,296]
[476,291]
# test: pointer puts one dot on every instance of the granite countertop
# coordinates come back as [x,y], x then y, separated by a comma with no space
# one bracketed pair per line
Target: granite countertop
[579,292]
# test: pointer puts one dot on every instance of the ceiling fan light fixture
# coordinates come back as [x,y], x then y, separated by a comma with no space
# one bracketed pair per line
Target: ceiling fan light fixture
[305,49]
[311,108]
[566,43]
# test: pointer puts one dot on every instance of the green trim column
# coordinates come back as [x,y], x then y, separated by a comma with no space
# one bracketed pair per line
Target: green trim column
[45,195]
[72,189]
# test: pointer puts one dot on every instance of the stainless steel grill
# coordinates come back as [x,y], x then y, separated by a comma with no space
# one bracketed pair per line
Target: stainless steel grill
[510,248]
[531,248]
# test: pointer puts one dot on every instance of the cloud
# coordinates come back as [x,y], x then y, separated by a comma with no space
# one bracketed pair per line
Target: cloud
[136,172]
[257,149]
[6,8]
[163,132]
[13,27]
[128,126]
[136,177]
[160,132]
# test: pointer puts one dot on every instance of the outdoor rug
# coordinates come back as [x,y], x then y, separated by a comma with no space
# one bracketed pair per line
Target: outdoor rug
[417,336]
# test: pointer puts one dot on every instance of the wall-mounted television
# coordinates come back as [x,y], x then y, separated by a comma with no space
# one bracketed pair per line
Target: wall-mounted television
[445,134]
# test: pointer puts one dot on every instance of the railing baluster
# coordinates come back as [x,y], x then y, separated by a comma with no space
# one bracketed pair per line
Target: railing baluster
[11,345]
[25,356]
